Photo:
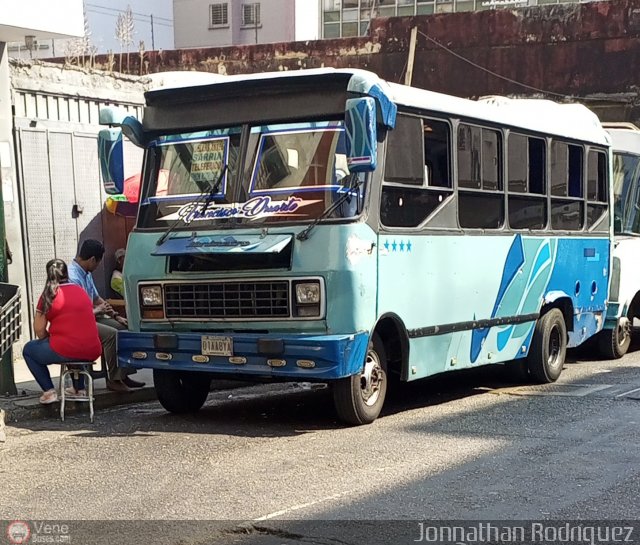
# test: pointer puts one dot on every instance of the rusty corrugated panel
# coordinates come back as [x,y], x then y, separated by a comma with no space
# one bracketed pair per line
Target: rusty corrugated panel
[570,50]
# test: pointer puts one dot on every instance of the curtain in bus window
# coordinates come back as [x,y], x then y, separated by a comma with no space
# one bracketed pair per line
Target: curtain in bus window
[469,154]
[575,171]
[517,164]
[436,153]
[405,154]
[559,169]
[537,166]
[490,160]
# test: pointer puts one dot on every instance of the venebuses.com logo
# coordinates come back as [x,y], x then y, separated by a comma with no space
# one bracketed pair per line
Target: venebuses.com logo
[18,532]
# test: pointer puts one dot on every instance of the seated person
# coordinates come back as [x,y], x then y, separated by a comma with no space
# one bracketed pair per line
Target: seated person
[108,320]
[65,329]
[117,283]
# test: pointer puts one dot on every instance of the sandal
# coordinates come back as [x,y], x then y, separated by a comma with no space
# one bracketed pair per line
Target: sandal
[50,396]
[72,392]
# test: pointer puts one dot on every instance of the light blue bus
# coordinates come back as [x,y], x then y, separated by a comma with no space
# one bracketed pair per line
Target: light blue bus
[329,226]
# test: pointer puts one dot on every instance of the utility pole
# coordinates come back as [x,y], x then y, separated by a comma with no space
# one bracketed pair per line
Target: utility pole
[412,54]
[255,19]
[153,42]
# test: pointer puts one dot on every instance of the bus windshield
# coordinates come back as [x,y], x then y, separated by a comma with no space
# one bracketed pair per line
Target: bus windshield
[626,171]
[290,173]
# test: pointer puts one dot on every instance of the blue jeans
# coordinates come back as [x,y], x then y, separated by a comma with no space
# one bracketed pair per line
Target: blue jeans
[38,354]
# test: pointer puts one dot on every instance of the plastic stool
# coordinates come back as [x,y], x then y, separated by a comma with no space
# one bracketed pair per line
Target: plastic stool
[74,369]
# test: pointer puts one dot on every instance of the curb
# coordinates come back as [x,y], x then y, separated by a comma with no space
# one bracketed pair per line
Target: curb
[21,408]
[29,408]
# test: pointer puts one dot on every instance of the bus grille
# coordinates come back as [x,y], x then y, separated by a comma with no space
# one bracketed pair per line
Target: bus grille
[227,300]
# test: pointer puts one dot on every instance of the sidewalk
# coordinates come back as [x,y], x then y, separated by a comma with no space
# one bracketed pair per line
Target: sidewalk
[26,405]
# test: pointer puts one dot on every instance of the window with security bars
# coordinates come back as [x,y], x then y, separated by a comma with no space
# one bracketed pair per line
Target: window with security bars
[218,14]
[251,14]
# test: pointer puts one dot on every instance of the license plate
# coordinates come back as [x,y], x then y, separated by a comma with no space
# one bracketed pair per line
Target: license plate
[217,346]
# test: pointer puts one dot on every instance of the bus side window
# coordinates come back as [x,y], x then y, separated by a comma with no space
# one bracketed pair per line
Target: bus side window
[597,189]
[526,182]
[567,203]
[480,188]
[418,171]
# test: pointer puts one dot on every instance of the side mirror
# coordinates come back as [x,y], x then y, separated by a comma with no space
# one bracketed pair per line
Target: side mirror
[111,147]
[360,128]
[111,156]
[131,127]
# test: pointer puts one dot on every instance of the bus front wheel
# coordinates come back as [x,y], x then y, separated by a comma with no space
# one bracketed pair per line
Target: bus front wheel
[359,398]
[181,391]
[548,347]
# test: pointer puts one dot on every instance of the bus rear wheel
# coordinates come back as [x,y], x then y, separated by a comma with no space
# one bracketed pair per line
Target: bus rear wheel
[358,399]
[614,343]
[548,347]
[181,391]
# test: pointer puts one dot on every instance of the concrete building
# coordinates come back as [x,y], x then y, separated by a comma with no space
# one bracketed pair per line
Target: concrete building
[347,18]
[151,24]
[214,23]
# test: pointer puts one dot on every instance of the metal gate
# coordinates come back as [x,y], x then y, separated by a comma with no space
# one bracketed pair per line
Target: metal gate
[62,198]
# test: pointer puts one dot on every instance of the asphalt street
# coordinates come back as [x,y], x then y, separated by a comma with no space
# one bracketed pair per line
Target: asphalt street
[271,464]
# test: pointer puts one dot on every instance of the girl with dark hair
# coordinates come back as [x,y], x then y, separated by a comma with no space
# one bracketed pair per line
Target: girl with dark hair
[65,327]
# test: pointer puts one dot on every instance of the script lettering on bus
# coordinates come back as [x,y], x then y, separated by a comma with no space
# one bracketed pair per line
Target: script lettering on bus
[255,208]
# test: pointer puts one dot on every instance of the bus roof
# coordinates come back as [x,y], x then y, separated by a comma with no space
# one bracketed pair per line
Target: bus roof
[573,121]
[625,137]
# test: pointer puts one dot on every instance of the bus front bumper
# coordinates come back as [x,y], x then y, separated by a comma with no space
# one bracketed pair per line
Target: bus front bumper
[294,357]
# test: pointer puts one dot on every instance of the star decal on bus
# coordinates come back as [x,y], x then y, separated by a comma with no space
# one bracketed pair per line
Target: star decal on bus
[396,246]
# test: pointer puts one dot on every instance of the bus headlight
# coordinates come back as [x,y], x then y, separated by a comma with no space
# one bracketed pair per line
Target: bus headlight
[151,296]
[308,293]
[307,302]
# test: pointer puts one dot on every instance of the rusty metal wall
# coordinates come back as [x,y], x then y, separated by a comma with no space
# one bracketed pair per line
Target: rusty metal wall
[584,51]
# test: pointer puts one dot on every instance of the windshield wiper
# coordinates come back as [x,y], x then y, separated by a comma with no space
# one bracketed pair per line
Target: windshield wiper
[354,185]
[207,194]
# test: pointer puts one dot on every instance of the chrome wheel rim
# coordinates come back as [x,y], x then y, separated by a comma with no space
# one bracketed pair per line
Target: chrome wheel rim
[371,379]
[624,332]
[555,343]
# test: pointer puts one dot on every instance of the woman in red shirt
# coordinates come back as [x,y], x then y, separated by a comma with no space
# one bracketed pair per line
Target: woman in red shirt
[65,327]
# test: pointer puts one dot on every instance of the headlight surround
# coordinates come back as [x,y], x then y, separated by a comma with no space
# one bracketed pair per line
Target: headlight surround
[307,298]
[308,293]
[151,296]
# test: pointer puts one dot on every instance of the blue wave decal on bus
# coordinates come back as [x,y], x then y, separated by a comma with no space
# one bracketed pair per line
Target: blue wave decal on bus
[515,260]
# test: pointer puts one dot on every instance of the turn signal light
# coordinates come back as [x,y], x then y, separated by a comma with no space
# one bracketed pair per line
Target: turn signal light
[153,314]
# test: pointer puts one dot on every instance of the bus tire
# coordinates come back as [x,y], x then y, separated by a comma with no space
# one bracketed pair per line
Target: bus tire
[548,347]
[358,399]
[181,391]
[614,343]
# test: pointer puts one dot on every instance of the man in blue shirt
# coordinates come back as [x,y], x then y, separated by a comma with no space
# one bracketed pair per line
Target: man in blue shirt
[108,321]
